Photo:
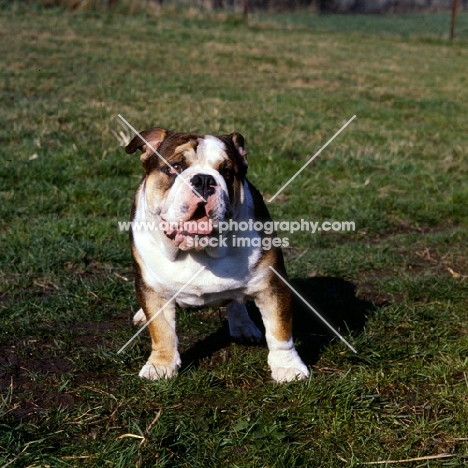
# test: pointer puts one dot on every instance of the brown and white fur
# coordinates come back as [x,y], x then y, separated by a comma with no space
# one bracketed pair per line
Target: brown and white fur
[213,167]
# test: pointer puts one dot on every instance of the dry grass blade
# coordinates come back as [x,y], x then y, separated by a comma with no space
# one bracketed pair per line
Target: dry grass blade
[17,456]
[455,274]
[97,390]
[153,422]
[410,460]
[129,435]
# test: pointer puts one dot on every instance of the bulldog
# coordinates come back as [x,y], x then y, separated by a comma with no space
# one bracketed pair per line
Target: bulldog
[192,185]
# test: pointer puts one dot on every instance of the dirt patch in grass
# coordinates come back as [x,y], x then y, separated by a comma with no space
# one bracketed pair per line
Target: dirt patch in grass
[94,334]
[31,367]
[19,369]
[368,290]
[422,259]
[369,287]
[31,378]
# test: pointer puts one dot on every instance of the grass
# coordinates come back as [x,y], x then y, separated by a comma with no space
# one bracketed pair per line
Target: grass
[421,25]
[397,284]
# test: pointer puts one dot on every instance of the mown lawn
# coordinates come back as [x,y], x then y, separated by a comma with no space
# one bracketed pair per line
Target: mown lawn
[396,287]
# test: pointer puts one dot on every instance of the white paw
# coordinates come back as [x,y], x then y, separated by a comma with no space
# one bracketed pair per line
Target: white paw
[285,363]
[288,374]
[139,318]
[152,372]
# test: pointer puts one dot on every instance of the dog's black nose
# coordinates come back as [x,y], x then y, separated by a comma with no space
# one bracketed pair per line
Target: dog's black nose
[203,184]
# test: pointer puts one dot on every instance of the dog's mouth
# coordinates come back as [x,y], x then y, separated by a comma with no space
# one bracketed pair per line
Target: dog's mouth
[199,224]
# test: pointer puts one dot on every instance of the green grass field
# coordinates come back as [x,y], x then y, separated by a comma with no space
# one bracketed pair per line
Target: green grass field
[397,287]
[421,25]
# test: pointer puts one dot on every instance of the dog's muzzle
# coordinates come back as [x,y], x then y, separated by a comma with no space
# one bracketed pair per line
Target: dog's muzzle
[196,211]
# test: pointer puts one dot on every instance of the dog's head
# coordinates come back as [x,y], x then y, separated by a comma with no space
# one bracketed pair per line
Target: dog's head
[192,182]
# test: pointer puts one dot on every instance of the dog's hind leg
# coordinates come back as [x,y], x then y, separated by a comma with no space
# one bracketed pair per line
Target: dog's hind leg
[139,318]
[241,326]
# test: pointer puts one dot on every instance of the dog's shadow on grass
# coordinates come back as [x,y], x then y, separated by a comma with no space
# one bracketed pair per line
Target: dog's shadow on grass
[336,301]
[333,298]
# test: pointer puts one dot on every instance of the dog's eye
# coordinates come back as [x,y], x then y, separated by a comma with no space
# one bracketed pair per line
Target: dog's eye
[177,167]
[173,169]
[226,173]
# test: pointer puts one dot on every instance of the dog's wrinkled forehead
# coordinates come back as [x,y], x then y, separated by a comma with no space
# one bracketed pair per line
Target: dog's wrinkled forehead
[200,150]
[176,143]
[211,151]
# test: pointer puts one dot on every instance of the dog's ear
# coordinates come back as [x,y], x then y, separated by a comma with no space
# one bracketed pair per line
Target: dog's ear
[148,141]
[238,141]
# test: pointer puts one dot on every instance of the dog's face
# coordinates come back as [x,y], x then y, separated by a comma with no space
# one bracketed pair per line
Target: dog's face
[192,182]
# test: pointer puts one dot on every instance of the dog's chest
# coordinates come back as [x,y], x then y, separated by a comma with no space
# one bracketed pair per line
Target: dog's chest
[195,277]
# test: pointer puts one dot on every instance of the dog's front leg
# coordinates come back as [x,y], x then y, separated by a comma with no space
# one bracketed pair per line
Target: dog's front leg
[164,360]
[274,303]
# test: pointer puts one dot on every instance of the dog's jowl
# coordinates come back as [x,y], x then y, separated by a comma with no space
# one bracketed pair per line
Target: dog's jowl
[193,185]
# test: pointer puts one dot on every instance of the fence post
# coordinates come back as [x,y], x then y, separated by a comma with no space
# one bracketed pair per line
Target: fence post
[245,9]
[454,17]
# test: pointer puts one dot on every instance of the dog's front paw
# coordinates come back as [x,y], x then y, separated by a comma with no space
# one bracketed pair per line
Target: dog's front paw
[159,367]
[288,374]
[285,363]
[156,372]
[139,318]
